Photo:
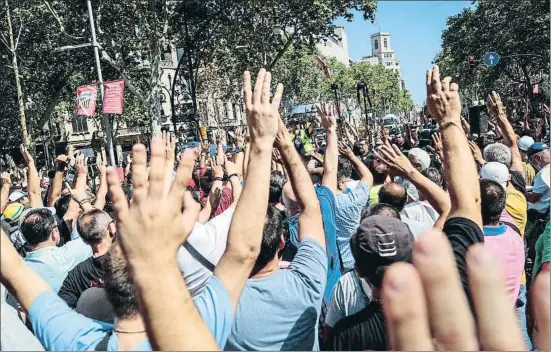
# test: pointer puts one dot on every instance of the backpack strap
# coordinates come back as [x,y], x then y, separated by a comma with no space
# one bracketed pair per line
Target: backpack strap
[512,226]
[199,257]
[102,345]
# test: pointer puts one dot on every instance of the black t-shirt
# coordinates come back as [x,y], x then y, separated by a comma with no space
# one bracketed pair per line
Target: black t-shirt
[88,273]
[366,329]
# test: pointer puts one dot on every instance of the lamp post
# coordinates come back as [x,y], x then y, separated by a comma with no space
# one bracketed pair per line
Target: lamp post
[361,87]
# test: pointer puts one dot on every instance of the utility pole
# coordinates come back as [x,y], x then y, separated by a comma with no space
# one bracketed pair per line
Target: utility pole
[105,118]
[20,102]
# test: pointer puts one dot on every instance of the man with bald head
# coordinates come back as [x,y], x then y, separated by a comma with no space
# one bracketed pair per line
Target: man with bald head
[98,230]
[395,194]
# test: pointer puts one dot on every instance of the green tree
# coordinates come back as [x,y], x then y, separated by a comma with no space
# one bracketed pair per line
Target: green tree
[508,27]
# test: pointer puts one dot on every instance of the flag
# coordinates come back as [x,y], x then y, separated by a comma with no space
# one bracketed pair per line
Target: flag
[114,94]
[86,100]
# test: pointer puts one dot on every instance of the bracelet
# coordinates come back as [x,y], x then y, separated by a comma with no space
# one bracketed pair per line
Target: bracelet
[238,150]
[218,178]
[85,200]
[232,175]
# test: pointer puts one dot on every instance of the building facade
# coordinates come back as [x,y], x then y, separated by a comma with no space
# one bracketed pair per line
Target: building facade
[382,54]
[335,46]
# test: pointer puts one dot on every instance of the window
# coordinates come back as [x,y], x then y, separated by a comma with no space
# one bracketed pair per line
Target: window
[386,43]
[79,124]
[376,44]
[388,63]
[388,55]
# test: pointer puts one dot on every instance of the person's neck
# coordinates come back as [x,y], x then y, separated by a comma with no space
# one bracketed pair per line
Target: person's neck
[493,224]
[99,249]
[44,244]
[130,331]
[269,269]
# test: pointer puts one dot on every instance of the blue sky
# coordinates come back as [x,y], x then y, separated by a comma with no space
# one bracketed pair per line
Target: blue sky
[415,28]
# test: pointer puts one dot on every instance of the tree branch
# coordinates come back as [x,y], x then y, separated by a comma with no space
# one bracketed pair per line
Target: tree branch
[58,20]
[281,52]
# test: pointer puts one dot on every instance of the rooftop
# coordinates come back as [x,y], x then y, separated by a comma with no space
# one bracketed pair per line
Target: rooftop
[380,33]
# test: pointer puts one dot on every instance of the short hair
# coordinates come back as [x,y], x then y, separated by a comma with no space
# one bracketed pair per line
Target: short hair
[277,181]
[205,181]
[345,168]
[62,204]
[275,225]
[37,226]
[492,201]
[118,284]
[92,224]
[434,175]
[383,209]
[498,152]
[394,194]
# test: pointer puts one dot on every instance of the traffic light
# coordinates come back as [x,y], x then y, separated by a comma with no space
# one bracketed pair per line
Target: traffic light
[471,62]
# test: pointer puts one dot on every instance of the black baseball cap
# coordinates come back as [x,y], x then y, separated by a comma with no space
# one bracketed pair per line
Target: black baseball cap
[380,241]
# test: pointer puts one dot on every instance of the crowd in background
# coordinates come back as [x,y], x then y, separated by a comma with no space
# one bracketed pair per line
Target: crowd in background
[319,236]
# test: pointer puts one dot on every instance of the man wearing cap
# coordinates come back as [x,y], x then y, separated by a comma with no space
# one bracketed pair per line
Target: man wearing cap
[52,263]
[19,197]
[524,143]
[379,242]
[10,224]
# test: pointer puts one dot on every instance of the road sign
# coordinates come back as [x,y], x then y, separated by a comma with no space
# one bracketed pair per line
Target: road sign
[491,59]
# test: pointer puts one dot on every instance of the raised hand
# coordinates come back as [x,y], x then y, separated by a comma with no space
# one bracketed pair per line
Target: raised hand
[325,116]
[495,106]
[6,178]
[102,168]
[239,138]
[442,319]
[345,150]
[398,163]
[81,164]
[443,98]
[26,155]
[61,161]
[437,145]
[477,154]
[262,115]
[155,224]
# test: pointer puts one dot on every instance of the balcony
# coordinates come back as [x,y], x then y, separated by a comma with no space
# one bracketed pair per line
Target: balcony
[131,131]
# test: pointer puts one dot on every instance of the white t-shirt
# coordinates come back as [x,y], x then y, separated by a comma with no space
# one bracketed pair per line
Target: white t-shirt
[420,211]
[210,240]
[350,295]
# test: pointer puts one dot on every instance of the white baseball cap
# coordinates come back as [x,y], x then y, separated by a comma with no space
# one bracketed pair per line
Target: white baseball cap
[16,195]
[496,172]
[524,143]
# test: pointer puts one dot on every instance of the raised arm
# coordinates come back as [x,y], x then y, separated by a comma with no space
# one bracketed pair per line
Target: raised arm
[231,170]
[310,223]
[401,166]
[459,166]
[509,137]
[247,227]
[5,191]
[168,219]
[365,175]
[102,189]
[33,182]
[57,183]
[330,163]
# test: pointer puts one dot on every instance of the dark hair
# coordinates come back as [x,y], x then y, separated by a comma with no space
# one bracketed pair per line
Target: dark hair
[492,201]
[277,181]
[345,168]
[62,204]
[433,174]
[51,173]
[92,224]
[37,226]
[206,181]
[378,177]
[394,194]
[485,140]
[383,209]
[119,285]
[275,225]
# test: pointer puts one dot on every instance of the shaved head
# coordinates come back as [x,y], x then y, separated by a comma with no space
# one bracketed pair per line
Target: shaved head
[394,194]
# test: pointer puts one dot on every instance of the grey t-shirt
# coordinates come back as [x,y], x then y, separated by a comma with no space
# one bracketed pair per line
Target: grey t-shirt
[281,311]
[351,294]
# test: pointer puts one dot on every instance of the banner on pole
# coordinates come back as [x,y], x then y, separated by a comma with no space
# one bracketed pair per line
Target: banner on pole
[86,100]
[114,94]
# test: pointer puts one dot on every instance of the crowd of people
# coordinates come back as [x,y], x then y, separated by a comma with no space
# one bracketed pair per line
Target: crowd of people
[287,242]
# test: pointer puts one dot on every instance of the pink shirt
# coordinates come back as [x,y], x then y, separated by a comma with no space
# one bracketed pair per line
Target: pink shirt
[507,244]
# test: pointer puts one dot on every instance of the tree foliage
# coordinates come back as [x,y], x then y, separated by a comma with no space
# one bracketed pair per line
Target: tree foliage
[508,27]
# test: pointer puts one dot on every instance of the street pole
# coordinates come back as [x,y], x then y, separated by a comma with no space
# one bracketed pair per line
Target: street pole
[105,118]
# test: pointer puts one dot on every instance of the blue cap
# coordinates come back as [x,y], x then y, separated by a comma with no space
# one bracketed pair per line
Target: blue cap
[536,148]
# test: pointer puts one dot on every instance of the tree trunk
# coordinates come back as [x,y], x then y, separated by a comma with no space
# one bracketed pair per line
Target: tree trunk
[20,101]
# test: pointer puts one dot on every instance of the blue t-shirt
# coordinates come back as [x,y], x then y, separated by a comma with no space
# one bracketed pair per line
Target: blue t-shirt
[59,328]
[326,199]
[542,188]
[281,311]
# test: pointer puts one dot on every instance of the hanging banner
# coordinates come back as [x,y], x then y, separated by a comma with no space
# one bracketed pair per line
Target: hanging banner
[86,100]
[114,94]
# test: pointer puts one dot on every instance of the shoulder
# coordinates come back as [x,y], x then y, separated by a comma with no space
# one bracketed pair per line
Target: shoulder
[365,330]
